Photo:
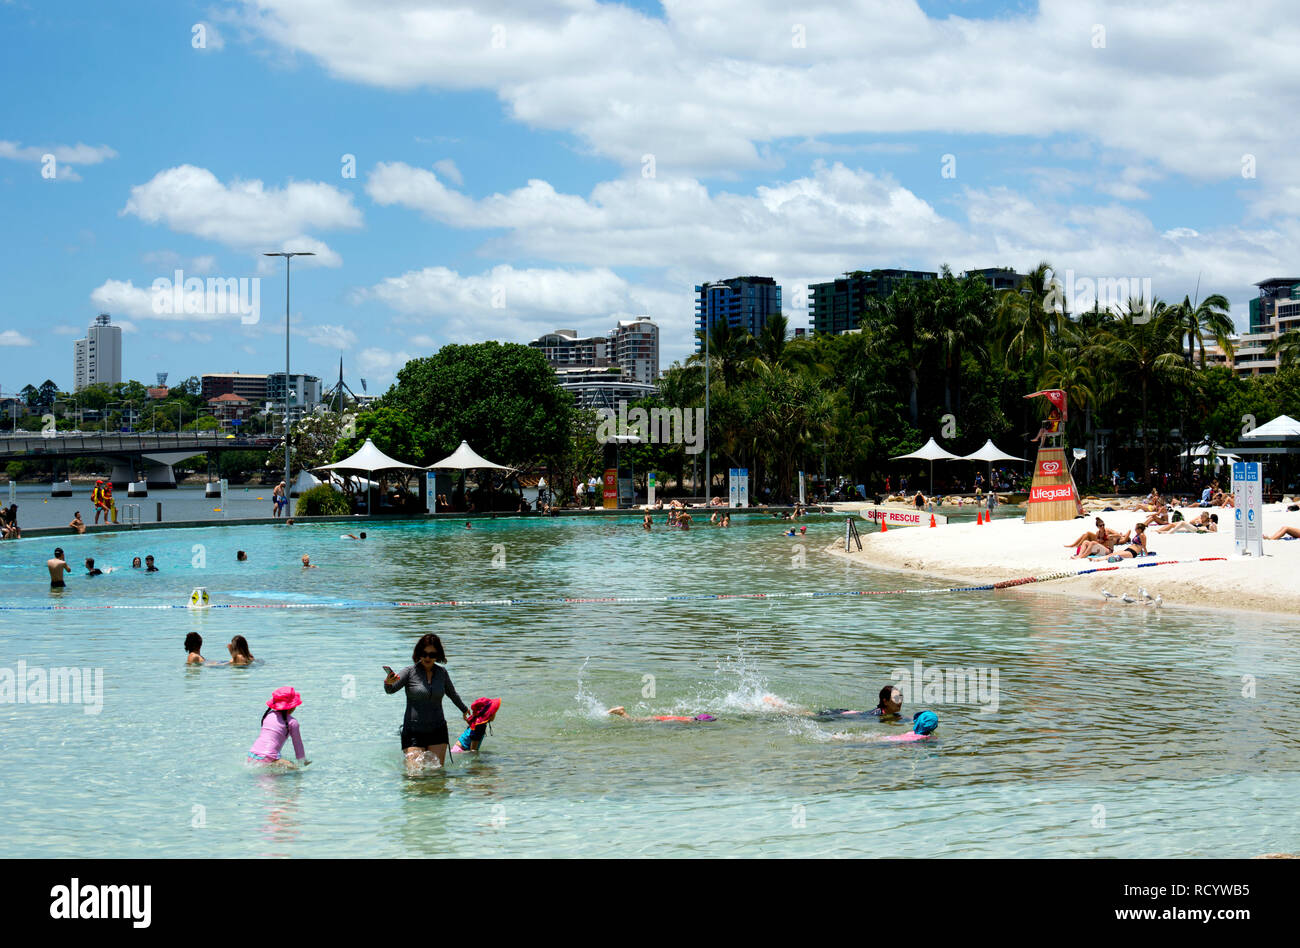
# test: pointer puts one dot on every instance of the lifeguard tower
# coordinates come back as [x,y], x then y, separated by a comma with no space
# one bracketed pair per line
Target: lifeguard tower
[1052,494]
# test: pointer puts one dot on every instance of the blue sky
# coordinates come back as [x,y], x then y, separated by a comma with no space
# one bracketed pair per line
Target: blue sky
[526,166]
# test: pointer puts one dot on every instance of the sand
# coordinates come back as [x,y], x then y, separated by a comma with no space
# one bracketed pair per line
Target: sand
[1011,549]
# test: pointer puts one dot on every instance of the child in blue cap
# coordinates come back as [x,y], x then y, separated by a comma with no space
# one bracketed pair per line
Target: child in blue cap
[923,725]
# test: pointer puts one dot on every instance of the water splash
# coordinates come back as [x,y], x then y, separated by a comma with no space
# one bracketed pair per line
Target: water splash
[589,705]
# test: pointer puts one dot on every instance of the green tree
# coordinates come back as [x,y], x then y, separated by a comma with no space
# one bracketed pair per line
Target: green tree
[393,431]
[500,397]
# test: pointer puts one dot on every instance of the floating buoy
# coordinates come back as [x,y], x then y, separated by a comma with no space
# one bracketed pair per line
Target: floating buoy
[199,598]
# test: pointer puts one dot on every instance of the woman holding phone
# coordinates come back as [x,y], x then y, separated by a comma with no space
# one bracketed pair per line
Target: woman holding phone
[424,729]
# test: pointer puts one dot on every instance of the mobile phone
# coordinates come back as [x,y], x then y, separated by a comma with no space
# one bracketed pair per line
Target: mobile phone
[389,670]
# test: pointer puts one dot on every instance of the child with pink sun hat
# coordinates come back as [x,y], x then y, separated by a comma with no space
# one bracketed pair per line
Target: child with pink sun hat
[279,728]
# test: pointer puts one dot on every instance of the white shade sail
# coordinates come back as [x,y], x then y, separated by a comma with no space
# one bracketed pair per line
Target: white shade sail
[1280,428]
[1203,451]
[369,460]
[928,452]
[466,458]
[990,453]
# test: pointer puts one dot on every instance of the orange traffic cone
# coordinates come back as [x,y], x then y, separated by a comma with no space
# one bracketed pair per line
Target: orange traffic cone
[979,518]
[884,526]
[932,520]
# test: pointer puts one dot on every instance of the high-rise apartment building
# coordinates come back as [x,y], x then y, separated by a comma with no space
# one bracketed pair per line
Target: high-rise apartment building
[632,347]
[743,303]
[306,394]
[250,387]
[999,278]
[97,359]
[1275,311]
[564,349]
[837,306]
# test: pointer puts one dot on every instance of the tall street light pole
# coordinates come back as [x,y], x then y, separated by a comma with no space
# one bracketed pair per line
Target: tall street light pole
[288,260]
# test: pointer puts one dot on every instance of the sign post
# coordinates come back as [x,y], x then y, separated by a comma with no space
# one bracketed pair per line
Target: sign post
[650,489]
[224,485]
[431,491]
[738,486]
[802,502]
[611,488]
[1248,512]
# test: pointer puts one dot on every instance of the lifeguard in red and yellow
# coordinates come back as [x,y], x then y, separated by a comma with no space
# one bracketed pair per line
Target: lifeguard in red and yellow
[97,501]
[110,506]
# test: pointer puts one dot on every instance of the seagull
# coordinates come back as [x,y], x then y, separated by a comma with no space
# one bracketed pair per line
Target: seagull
[1106,593]
[1142,591]
[1127,598]
[1158,601]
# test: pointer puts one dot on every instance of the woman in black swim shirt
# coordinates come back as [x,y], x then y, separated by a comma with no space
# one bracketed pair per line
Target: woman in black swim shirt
[424,729]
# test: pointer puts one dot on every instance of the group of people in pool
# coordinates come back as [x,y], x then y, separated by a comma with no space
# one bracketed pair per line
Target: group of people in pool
[238,648]
[889,707]
[424,734]
[59,567]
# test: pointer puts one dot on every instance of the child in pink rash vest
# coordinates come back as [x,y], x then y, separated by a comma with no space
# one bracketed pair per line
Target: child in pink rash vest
[278,725]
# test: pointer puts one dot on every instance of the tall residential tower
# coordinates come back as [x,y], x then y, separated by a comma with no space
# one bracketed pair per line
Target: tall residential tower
[97,359]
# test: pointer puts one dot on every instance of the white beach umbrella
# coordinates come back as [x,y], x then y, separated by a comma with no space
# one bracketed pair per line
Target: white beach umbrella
[928,452]
[990,453]
[1281,428]
[466,458]
[368,460]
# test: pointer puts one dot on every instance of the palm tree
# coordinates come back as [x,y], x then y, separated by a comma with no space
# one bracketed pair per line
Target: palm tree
[1207,318]
[1286,348]
[1028,318]
[1143,346]
[899,333]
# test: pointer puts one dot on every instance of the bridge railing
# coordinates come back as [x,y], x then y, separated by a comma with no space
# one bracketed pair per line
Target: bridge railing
[12,444]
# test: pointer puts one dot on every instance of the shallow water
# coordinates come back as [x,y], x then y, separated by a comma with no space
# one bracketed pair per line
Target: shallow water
[1117,731]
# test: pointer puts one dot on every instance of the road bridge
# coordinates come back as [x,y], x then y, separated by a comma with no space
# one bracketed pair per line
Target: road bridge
[156,452]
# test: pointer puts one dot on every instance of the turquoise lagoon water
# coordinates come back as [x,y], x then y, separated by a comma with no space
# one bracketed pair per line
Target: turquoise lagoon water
[1118,732]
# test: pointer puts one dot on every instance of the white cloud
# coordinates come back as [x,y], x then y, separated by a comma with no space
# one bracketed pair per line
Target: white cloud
[12,337]
[169,261]
[807,229]
[245,215]
[123,297]
[447,168]
[379,366]
[77,154]
[713,84]
[328,336]
[67,331]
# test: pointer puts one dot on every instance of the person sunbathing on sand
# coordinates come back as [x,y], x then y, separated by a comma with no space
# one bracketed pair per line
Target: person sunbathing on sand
[1100,536]
[1101,548]
[1285,533]
[1159,516]
[1137,546]
[1205,523]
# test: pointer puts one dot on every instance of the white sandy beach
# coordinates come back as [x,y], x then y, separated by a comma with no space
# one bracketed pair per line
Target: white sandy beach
[1012,549]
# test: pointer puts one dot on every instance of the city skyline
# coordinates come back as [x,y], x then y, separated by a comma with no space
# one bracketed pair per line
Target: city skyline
[485,188]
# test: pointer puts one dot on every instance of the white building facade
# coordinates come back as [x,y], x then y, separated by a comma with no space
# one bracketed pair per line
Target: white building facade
[97,359]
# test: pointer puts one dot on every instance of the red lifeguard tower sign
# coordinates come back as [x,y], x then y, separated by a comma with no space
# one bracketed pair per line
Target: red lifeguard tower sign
[1052,494]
